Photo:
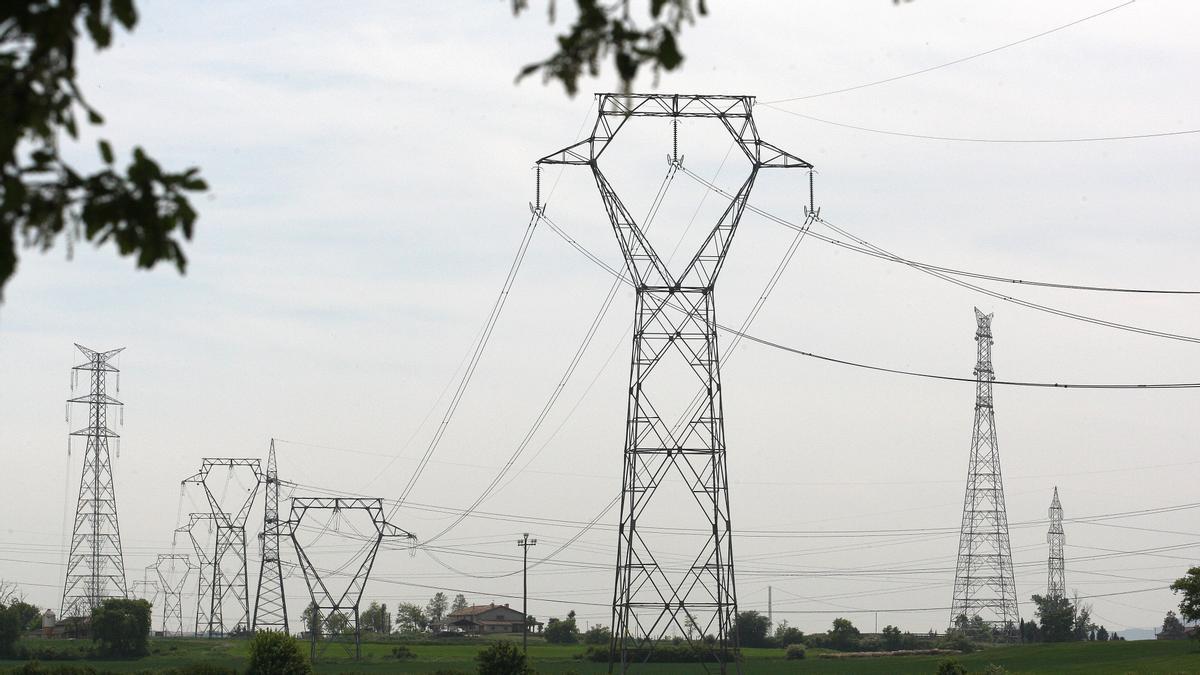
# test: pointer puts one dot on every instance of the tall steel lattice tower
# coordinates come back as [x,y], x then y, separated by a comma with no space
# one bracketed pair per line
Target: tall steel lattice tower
[674,334]
[270,606]
[229,579]
[96,566]
[985,595]
[1056,579]
[172,570]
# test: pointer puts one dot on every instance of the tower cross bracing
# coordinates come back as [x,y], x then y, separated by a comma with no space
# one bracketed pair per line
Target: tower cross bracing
[1056,581]
[674,332]
[985,595]
[96,564]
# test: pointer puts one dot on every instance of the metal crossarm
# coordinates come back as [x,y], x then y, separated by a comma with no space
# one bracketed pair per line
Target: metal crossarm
[335,608]
[674,331]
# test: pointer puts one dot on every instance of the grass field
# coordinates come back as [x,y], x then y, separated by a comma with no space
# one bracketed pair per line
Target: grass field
[1099,658]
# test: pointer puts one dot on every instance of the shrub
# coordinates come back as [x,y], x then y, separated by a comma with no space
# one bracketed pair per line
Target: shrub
[198,669]
[598,635]
[503,658]
[957,640]
[994,669]
[794,652]
[35,668]
[403,652]
[276,653]
[663,652]
[951,667]
[870,643]
[562,631]
[122,627]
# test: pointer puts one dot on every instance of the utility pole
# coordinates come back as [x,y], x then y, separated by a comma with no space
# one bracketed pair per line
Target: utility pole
[984,589]
[675,425]
[96,565]
[770,608]
[525,542]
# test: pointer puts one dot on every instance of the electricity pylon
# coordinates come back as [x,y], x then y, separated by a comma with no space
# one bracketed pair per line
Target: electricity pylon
[96,565]
[270,605]
[334,614]
[1056,582]
[674,329]
[985,595]
[229,577]
[171,583]
[208,613]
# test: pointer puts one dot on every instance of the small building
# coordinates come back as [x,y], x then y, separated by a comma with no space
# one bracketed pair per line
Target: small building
[487,619]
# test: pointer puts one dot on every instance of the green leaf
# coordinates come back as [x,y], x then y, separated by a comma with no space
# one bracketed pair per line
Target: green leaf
[668,51]
[125,12]
[106,152]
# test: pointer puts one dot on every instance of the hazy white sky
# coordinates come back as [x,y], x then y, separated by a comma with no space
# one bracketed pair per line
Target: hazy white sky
[370,173]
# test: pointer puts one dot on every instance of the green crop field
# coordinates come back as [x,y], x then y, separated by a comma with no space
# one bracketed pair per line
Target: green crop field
[1099,658]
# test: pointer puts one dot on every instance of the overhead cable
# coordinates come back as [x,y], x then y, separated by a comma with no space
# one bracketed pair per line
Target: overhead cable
[955,61]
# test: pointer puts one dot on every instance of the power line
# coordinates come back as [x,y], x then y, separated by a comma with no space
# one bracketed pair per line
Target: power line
[460,391]
[576,359]
[979,139]
[933,272]
[884,369]
[955,61]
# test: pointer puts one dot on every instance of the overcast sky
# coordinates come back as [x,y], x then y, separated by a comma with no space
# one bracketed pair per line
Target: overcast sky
[370,170]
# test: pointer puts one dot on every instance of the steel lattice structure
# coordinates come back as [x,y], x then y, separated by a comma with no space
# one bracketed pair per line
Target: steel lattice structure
[270,604]
[229,579]
[171,585]
[675,321]
[96,566]
[1056,580]
[985,595]
[334,608]
[206,622]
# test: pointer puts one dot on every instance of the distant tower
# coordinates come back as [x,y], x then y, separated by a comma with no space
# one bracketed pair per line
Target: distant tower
[270,607]
[1056,583]
[96,566]
[985,595]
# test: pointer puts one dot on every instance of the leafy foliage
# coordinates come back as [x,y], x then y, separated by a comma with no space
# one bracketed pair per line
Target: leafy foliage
[951,667]
[122,627]
[1189,586]
[1057,617]
[1172,628]
[752,629]
[142,209]
[502,658]
[843,635]
[403,652]
[608,28]
[10,629]
[597,635]
[562,631]
[410,618]
[376,619]
[794,652]
[460,603]
[787,635]
[436,609]
[276,653]
[311,616]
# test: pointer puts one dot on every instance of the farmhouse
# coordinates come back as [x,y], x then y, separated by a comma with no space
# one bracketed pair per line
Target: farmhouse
[490,618]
